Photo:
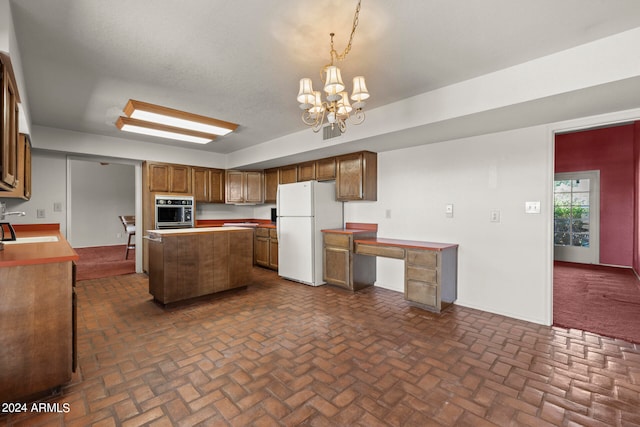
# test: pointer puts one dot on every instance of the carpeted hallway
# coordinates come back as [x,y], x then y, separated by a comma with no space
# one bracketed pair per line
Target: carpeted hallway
[600,299]
[282,353]
[104,261]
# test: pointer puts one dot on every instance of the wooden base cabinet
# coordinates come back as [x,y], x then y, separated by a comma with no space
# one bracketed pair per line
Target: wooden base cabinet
[341,266]
[431,277]
[185,265]
[36,320]
[265,248]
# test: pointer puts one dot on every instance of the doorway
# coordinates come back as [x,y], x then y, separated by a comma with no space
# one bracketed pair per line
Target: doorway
[593,196]
[576,217]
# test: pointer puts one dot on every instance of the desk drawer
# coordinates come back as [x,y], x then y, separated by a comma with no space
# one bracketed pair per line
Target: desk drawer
[337,240]
[423,293]
[427,259]
[422,274]
[379,250]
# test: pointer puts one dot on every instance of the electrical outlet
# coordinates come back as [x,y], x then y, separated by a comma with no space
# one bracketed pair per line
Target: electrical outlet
[40,213]
[532,207]
[494,216]
[448,210]
[387,214]
[118,235]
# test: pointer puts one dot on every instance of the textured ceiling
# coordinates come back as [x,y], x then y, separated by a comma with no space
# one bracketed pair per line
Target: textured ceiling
[241,61]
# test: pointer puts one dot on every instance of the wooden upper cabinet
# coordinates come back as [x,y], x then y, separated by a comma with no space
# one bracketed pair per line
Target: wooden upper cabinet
[158,175]
[179,179]
[216,185]
[253,189]
[306,171]
[244,187]
[22,188]
[169,178]
[288,174]
[270,185]
[326,169]
[357,176]
[208,185]
[9,146]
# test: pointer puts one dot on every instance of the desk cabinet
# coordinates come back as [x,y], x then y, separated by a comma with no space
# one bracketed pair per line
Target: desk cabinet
[430,269]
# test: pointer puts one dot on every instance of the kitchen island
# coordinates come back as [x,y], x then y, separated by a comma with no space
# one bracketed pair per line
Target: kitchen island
[188,263]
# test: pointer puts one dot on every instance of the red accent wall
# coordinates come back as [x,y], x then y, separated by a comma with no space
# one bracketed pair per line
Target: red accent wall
[611,151]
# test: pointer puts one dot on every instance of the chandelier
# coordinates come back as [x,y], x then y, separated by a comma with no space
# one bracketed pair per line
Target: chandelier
[336,109]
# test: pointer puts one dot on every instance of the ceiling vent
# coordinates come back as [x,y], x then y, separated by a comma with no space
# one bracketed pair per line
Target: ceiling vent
[330,131]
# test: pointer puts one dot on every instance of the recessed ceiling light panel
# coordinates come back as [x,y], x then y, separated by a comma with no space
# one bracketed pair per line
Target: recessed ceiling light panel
[177,118]
[163,131]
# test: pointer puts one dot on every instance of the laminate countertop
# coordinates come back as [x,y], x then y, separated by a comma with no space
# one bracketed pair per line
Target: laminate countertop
[190,231]
[412,244]
[37,252]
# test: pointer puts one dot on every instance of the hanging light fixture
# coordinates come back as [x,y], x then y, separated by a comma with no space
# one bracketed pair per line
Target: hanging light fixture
[336,109]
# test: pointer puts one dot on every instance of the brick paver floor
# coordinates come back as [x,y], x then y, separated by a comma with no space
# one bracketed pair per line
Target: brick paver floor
[282,353]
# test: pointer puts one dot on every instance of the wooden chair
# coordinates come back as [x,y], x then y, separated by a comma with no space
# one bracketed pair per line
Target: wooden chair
[129,223]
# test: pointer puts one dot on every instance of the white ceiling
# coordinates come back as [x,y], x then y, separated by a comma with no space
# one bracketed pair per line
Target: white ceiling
[241,61]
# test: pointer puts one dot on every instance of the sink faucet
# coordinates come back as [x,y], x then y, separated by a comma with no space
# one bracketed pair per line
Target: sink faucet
[3,211]
[3,214]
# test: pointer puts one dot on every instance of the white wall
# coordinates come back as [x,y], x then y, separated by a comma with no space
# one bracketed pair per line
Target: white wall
[49,180]
[222,211]
[99,194]
[502,267]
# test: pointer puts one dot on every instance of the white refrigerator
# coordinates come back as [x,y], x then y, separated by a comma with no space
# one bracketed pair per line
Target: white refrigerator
[303,209]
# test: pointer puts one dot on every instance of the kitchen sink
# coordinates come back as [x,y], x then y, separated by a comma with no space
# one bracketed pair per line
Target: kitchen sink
[32,239]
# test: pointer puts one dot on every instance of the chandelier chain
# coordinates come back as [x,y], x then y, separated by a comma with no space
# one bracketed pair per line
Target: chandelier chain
[340,57]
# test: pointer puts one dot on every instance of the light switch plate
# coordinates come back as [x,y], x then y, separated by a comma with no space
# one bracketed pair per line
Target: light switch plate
[532,207]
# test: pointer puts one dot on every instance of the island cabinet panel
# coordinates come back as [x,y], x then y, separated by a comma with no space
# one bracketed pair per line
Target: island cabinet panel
[187,265]
[240,259]
[357,176]
[36,320]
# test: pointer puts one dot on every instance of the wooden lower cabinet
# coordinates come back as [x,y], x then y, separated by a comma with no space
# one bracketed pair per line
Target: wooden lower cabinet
[431,277]
[188,265]
[341,266]
[265,248]
[36,320]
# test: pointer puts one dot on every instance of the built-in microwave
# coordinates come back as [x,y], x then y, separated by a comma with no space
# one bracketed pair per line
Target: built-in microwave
[174,211]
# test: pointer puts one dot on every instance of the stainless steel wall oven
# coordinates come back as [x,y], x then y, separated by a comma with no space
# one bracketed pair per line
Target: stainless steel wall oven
[174,211]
